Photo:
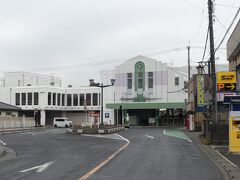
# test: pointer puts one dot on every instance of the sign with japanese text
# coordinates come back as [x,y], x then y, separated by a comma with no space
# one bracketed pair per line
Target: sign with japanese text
[226,81]
[226,77]
[200,91]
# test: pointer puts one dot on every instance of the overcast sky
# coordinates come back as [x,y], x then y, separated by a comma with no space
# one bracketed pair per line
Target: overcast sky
[76,39]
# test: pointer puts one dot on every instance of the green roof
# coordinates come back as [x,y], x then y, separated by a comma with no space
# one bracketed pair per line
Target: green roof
[144,105]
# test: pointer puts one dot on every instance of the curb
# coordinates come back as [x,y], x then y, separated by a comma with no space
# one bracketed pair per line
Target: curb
[12,131]
[97,131]
[213,157]
[2,152]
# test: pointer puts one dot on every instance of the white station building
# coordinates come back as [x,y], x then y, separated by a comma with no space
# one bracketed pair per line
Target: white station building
[146,92]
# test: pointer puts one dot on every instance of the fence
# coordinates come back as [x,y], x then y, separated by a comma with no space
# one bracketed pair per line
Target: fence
[16,122]
[217,132]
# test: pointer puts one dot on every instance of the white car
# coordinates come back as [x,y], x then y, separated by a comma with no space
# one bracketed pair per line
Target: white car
[62,122]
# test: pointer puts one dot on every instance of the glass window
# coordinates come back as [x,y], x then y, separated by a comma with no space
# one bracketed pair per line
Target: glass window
[95,99]
[63,99]
[176,81]
[36,97]
[17,99]
[58,99]
[29,97]
[150,79]
[23,99]
[140,80]
[75,99]
[69,99]
[49,98]
[54,99]
[88,99]
[81,99]
[129,80]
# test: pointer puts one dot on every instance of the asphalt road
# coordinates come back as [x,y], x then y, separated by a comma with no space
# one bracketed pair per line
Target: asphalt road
[153,153]
[64,155]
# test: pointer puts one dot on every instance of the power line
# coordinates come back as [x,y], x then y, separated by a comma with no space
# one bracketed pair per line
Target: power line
[225,28]
[224,5]
[196,9]
[230,26]
[205,46]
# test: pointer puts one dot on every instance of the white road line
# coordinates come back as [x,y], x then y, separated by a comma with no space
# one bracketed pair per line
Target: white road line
[123,138]
[149,136]
[102,136]
[39,168]
[95,169]
[214,147]
[164,132]
[227,160]
[27,133]
[3,143]
[60,132]
[39,133]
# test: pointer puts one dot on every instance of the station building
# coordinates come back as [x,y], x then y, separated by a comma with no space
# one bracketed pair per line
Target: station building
[146,92]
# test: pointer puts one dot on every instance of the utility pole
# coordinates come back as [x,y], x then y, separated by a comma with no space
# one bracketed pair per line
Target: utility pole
[212,58]
[189,67]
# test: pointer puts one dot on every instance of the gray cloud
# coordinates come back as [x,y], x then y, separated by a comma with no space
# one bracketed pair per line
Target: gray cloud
[70,36]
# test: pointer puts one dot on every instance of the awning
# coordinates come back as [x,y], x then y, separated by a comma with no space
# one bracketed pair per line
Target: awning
[144,105]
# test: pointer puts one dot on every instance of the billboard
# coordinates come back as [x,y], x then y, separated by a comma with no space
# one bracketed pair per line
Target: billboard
[226,81]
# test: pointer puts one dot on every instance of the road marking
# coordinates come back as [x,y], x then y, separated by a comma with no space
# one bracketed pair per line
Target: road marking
[214,147]
[227,160]
[27,133]
[39,168]
[3,143]
[95,169]
[39,133]
[149,136]
[177,134]
[103,136]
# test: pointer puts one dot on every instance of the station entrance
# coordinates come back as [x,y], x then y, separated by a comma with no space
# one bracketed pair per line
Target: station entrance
[149,114]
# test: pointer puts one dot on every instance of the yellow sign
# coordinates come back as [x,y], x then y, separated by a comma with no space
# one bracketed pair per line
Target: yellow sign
[200,91]
[226,77]
[234,134]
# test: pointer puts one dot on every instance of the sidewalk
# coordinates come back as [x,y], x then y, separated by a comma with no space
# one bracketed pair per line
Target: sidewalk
[228,164]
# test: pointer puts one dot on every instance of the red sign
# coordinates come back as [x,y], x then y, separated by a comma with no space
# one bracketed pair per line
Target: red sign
[94,114]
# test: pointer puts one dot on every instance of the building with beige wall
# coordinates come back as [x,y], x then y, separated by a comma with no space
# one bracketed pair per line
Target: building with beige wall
[233,48]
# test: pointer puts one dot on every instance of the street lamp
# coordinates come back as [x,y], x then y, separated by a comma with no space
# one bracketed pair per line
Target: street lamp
[92,83]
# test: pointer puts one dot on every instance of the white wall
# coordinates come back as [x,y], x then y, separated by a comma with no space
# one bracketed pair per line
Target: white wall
[15,79]
[162,89]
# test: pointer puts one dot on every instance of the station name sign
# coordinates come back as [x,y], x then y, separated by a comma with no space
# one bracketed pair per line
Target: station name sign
[226,81]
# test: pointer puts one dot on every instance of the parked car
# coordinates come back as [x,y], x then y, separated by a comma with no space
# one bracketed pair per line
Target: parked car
[62,122]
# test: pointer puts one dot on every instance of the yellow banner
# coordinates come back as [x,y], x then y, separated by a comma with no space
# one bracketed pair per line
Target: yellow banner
[200,91]
[226,77]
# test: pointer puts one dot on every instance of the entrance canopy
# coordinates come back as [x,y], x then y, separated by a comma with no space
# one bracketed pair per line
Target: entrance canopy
[144,105]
